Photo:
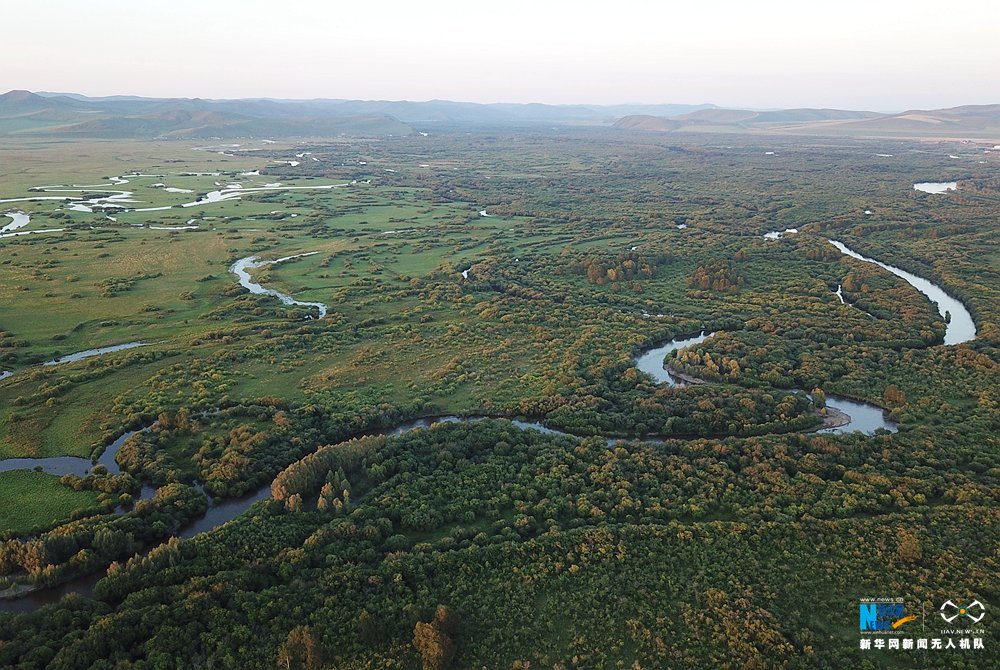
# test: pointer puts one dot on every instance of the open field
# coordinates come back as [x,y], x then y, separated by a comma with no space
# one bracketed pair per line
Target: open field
[31,500]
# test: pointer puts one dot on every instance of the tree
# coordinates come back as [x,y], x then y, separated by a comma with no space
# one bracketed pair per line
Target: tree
[819,399]
[909,549]
[300,650]
[893,395]
[433,641]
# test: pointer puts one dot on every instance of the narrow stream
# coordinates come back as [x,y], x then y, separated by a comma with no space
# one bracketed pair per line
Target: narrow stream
[80,355]
[240,267]
[20,220]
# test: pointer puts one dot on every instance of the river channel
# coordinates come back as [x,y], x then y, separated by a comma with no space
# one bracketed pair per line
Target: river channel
[863,416]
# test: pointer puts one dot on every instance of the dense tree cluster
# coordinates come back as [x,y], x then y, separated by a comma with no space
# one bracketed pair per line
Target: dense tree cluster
[91,543]
[625,268]
[721,276]
[642,550]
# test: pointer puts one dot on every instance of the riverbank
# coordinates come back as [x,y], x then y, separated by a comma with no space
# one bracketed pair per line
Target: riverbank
[18,590]
[834,418]
[684,379]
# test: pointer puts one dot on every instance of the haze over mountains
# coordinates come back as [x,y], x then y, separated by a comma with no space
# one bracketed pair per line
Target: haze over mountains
[966,121]
[23,113]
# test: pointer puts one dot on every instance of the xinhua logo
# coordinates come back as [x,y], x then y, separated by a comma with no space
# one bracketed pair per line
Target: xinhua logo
[882,616]
[974,611]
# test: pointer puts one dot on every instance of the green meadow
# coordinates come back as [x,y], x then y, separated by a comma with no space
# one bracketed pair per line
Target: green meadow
[31,500]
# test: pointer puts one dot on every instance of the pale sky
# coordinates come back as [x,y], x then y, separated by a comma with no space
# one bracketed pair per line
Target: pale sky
[882,55]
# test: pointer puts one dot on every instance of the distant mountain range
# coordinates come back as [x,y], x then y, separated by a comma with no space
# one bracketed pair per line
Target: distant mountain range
[23,113]
[979,121]
[70,114]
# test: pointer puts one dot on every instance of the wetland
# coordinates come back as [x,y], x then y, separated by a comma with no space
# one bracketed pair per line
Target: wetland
[301,377]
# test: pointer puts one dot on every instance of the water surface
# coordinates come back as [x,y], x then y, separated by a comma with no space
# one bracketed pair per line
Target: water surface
[865,417]
[80,355]
[936,186]
[960,325]
[240,267]
[18,220]
[652,362]
[778,234]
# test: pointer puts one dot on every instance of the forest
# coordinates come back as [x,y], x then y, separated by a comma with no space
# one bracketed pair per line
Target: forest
[460,465]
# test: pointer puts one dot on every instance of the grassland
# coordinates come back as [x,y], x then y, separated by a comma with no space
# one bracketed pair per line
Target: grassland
[387,245]
[406,217]
[167,285]
[31,500]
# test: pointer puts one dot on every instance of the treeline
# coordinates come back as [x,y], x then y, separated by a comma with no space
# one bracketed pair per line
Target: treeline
[522,536]
[244,445]
[304,476]
[83,546]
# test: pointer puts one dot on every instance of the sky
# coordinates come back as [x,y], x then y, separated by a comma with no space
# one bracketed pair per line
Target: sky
[881,55]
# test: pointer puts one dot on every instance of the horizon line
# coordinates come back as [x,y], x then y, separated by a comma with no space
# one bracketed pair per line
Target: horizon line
[46,93]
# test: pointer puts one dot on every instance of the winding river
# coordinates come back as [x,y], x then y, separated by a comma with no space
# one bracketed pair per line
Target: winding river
[120,199]
[651,362]
[861,416]
[78,356]
[217,514]
[18,220]
[240,267]
[70,465]
[960,325]
[236,192]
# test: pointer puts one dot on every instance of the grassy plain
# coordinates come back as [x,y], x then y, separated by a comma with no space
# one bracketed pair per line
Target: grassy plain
[409,218]
[30,500]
